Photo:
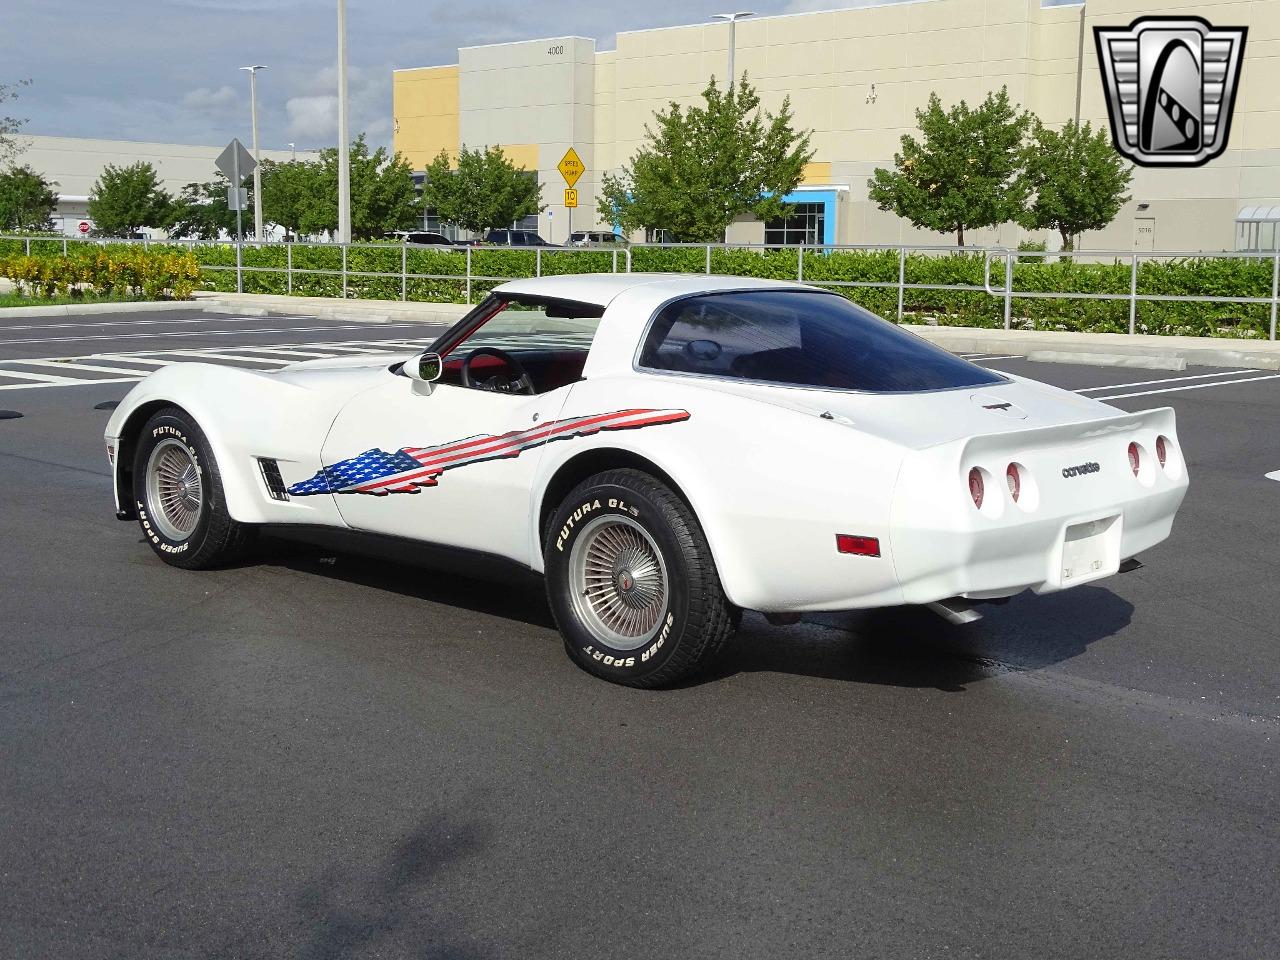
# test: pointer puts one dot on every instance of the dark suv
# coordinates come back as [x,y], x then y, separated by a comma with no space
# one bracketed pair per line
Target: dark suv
[516,238]
[420,237]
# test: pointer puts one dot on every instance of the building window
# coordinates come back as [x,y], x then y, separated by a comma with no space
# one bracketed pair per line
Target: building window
[807,224]
[658,235]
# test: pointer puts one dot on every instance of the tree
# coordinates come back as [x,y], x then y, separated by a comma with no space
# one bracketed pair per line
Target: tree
[965,173]
[201,211]
[701,167]
[1078,179]
[124,199]
[485,191]
[26,200]
[383,196]
[10,146]
[290,191]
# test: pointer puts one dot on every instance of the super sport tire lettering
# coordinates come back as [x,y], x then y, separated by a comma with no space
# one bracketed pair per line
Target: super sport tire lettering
[216,537]
[697,618]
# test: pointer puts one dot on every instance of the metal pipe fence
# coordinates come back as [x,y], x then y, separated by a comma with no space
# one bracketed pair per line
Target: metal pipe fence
[702,258]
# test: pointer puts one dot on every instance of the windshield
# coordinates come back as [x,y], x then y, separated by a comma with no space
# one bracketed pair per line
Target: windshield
[800,338]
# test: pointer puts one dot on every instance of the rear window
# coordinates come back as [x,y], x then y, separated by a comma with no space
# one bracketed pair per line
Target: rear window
[800,338]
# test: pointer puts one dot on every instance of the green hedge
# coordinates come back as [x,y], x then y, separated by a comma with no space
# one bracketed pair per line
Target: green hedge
[373,272]
[108,270]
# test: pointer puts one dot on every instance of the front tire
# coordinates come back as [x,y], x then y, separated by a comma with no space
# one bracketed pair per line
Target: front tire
[632,584]
[177,492]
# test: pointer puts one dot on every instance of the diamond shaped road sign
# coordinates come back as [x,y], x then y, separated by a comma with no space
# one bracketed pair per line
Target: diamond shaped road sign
[571,167]
[235,161]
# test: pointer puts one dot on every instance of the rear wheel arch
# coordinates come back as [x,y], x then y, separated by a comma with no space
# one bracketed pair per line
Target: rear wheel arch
[588,463]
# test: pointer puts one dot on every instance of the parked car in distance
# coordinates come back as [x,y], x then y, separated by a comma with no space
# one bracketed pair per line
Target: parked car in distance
[516,238]
[422,238]
[596,238]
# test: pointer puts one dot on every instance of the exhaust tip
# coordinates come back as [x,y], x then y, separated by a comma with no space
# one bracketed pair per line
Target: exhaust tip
[955,610]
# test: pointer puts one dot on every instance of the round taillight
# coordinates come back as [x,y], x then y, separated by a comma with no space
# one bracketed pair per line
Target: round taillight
[1162,450]
[1014,478]
[1135,462]
[975,487]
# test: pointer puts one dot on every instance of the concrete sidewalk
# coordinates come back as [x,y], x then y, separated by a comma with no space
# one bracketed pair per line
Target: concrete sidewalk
[333,308]
[1107,349]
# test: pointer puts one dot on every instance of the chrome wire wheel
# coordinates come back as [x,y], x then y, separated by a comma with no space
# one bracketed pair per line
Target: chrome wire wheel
[175,493]
[618,581]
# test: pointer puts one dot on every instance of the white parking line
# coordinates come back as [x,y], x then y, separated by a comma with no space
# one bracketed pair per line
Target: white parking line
[151,361]
[39,377]
[62,382]
[206,333]
[1273,475]
[131,367]
[211,355]
[1193,386]
[141,323]
[1012,356]
[1145,383]
[4,371]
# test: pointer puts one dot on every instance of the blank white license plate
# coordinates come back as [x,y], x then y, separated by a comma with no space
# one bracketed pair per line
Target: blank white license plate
[1090,550]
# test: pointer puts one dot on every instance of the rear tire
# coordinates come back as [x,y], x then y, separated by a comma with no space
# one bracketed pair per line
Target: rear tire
[632,584]
[178,496]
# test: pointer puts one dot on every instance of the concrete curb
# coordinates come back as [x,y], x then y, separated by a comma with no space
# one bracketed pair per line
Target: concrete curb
[80,310]
[334,308]
[1107,349]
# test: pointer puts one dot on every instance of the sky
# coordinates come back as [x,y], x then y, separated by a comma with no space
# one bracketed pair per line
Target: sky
[166,70]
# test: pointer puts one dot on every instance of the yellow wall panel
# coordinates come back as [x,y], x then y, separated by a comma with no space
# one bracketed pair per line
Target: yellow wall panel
[424,104]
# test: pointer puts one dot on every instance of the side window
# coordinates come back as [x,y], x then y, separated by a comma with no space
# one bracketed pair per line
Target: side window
[796,337]
[704,335]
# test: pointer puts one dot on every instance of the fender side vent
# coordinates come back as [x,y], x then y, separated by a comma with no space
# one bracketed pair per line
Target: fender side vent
[271,477]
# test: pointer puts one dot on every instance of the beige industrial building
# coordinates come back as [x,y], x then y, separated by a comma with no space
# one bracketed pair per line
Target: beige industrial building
[74,163]
[855,77]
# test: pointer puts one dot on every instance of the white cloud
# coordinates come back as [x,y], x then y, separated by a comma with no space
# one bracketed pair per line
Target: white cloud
[313,118]
[211,100]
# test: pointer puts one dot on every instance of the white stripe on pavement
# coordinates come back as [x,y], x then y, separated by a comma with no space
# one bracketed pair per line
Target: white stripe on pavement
[76,366]
[1145,383]
[66,383]
[209,355]
[1193,386]
[142,323]
[1273,475]
[1012,356]
[206,333]
[41,377]
[131,359]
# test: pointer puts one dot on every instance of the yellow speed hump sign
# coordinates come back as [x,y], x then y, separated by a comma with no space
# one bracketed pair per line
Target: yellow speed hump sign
[571,168]
[571,197]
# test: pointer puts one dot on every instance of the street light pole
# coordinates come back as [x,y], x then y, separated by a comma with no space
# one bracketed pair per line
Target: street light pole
[257,170]
[344,144]
[732,19]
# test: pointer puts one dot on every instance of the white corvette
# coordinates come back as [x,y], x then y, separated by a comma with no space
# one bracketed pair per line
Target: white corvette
[667,450]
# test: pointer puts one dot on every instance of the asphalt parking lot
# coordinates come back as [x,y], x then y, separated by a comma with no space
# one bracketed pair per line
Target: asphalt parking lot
[316,755]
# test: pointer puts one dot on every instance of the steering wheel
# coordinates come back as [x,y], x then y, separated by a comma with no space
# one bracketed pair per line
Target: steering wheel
[520,383]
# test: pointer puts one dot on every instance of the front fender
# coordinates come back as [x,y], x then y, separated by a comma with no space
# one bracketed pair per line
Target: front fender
[244,414]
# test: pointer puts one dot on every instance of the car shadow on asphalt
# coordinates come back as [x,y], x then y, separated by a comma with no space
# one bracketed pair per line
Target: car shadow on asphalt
[449,579]
[913,647]
[895,646]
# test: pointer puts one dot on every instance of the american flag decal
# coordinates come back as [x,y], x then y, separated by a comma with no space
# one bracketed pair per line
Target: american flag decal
[410,469]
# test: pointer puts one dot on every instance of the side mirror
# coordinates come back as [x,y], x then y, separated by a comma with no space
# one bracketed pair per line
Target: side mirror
[426,367]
